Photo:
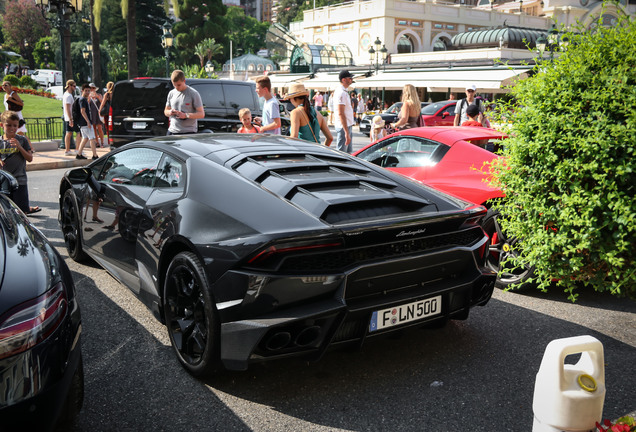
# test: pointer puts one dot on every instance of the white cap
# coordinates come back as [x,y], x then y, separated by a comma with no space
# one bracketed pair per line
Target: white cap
[471,87]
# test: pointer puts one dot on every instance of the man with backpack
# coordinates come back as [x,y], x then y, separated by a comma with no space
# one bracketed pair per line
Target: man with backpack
[82,116]
[461,114]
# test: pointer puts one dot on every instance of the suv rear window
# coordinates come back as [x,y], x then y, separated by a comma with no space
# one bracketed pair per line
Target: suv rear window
[149,94]
[240,96]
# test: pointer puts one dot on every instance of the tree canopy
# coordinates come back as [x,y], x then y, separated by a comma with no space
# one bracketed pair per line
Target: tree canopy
[568,168]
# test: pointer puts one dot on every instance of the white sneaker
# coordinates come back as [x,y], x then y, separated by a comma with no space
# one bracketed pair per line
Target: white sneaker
[70,153]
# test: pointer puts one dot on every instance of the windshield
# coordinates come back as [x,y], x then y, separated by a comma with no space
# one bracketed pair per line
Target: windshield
[433,108]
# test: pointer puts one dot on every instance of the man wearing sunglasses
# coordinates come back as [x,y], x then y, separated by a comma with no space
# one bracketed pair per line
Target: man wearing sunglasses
[460,112]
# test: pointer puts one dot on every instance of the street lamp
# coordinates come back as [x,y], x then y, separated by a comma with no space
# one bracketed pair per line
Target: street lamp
[166,42]
[62,11]
[377,58]
[209,68]
[46,54]
[553,42]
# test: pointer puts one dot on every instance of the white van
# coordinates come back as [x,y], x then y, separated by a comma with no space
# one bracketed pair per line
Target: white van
[47,77]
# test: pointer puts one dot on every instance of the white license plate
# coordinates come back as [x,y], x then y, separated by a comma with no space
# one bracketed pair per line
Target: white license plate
[405,313]
[139,125]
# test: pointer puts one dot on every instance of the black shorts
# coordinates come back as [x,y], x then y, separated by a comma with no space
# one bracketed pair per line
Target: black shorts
[68,128]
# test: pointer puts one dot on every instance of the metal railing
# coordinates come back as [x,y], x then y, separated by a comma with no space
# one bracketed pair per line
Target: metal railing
[45,129]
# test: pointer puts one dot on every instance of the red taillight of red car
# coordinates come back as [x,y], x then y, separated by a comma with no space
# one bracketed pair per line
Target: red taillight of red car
[287,248]
[110,119]
[30,323]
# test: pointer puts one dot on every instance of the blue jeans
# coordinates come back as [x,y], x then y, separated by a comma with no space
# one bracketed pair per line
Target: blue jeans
[341,139]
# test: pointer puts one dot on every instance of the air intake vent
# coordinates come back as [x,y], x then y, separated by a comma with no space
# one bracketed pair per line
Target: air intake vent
[336,190]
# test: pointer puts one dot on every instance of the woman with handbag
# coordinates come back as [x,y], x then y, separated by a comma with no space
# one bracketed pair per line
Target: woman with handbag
[104,108]
[13,102]
[306,123]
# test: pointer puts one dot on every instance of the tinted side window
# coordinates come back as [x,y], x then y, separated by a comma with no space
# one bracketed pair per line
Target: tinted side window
[211,95]
[450,110]
[136,167]
[240,96]
[405,152]
[170,173]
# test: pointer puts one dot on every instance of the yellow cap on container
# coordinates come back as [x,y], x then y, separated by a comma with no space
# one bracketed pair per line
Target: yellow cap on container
[587,382]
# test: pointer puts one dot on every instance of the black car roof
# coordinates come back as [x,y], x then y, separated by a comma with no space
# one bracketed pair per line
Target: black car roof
[328,184]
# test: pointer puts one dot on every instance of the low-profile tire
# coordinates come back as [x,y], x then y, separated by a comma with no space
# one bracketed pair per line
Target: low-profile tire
[190,316]
[501,248]
[74,399]
[71,227]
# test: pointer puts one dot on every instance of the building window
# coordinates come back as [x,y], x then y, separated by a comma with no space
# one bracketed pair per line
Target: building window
[438,26]
[259,67]
[368,23]
[402,22]
[450,27]
[416,23]
[405,45]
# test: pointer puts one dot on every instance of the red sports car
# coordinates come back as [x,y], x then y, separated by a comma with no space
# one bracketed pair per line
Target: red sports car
[450,159]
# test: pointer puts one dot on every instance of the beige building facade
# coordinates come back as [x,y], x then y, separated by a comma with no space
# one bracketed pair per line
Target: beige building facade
[405,26]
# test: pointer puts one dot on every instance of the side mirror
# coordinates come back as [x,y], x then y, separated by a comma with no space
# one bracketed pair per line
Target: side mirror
[445,114]
[85,175]
[8,183]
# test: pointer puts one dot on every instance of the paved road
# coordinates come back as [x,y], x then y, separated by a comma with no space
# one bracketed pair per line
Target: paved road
[474,375]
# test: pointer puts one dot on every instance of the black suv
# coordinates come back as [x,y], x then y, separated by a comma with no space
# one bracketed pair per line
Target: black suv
[138,104]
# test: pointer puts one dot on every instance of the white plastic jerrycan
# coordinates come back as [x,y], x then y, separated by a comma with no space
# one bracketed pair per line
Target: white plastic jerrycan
[570,397]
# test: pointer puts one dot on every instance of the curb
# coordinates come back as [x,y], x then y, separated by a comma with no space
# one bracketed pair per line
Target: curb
[57,164]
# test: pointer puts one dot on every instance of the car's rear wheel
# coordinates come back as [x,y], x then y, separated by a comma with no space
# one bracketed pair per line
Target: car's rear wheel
[190,317]
[500,249]
[71,227]
[74,399]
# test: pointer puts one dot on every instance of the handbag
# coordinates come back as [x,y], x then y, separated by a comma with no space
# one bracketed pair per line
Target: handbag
[12,105]
[105,109]
[309,124]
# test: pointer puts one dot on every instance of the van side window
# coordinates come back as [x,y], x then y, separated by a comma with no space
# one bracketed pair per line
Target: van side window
[211,95]
[240,96]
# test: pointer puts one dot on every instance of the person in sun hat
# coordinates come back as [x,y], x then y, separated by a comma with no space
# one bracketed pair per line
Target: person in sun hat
[306,122]
[343,118]
[460,111]
[377,128]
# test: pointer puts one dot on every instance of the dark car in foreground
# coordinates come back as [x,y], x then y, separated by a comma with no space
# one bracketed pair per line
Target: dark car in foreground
[257,247]
[41,372]
[390,115]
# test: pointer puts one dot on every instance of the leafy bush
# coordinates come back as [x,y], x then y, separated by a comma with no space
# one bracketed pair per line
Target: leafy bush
[14,80]
[28,82]
[568,169]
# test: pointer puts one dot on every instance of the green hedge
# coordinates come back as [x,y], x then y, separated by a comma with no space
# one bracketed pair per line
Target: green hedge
[568,169]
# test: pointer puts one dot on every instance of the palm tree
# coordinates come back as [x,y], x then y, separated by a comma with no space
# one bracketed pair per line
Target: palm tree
[207,48]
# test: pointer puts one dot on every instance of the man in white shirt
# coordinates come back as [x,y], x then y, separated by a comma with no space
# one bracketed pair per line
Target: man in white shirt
[344,113]
[270,123]
[67,101]
[462,105]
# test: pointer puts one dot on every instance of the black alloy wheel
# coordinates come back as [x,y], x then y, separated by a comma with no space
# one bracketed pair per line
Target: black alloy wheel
[500,249]
[189,315]
[71,229]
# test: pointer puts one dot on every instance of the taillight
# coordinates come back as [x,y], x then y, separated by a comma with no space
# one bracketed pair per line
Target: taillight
[30,323]
[110,119]
[287,248]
